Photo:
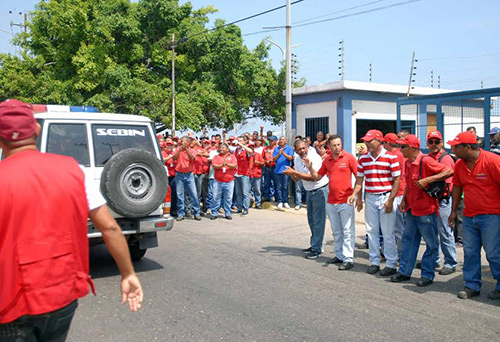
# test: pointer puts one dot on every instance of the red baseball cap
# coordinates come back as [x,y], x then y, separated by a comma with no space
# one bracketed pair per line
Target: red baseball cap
[410,140]
[435,135]
[231,138]
[17,121]
[463,138]
[373,134]
[390,138]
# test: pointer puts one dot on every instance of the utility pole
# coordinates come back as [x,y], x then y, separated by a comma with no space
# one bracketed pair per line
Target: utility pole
[482,84]
[412,73]
[172,45]
[288,98]
[439,81]
[341,60]
[23,27]
[370,75]
[432,78]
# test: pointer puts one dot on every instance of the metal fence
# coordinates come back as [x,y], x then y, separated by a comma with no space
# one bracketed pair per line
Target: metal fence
[451,113]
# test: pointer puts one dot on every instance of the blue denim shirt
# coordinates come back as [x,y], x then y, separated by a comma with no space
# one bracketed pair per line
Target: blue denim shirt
[282,162]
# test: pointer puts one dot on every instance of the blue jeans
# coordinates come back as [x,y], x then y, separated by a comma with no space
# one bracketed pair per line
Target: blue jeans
[201,182]
[316,216]
[446,238]
[268,182]
[223,194]
[418,227]
[282,187]
[257,194]
[173,195]
[481,230]
[400,226]
[50,327]
[210,193]
[242,188]
[342,223]
[377,220]
[186,180]
[299,191]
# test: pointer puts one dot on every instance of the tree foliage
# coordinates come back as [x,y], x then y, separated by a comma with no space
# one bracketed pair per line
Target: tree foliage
[116,55]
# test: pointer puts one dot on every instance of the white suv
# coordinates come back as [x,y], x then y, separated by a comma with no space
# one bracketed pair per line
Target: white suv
[121,154]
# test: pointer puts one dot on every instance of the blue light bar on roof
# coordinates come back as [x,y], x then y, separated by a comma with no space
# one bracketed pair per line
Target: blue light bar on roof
[87,109]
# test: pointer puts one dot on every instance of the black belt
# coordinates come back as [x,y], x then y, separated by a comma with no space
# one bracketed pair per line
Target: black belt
[379,193]
[313,191]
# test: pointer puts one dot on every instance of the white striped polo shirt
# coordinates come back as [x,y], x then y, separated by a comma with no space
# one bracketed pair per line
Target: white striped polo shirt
[379,172]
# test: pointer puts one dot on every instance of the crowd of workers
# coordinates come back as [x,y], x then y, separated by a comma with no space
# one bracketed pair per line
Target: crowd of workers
[407,195]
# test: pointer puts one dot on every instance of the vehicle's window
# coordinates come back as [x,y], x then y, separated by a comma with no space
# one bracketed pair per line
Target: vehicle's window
[110,139]
[69,140]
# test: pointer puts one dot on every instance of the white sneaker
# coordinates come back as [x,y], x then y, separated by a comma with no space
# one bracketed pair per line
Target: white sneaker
[287,206]
[297,207]
[280,206]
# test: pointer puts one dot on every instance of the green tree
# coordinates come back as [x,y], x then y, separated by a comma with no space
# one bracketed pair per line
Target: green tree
[116,55]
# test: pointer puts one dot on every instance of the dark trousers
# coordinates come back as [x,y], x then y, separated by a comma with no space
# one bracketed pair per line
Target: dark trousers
[48,327]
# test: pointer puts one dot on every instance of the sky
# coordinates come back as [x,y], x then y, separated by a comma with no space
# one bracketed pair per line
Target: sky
[456,39]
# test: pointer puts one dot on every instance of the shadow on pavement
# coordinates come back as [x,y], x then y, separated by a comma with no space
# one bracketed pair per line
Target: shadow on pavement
[102,264]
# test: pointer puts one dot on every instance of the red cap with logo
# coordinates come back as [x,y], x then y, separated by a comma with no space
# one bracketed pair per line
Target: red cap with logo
[373,134]
[463,138]
[435,135]
[17,121]
[410,140]
[390,138]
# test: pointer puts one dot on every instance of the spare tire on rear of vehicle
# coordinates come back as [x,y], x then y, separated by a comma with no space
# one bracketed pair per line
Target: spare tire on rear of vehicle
[134,182]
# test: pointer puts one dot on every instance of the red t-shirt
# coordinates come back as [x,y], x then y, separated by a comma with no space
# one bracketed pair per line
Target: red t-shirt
[340,173]
[402,179]
[224,174]
[200,164]
[420,203]
[243,159]
[184,164]
[44,249]
[267,154]
[170,164]
[256,169]
[481,185]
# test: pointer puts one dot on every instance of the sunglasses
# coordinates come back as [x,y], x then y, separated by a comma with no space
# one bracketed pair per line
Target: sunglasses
[434,141]
[403,146]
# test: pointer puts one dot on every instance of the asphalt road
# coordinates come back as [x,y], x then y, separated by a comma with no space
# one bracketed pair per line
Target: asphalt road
[247,280]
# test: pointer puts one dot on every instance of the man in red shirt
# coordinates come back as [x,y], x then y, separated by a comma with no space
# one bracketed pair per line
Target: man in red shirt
[381,172]
[477,175]
[184,155]
[224,165]
[200,172]
[44,266]
[340,166]
[393,148]
[168,154]
[242,184]
[256,165]
[446,238]
[421,211]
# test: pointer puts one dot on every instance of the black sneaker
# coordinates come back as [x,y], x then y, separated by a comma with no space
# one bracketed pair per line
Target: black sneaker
[335,260]
[228,217]
[467,293]
[237,211]
[244,212]
[495,295]
[447,270]
[213,217]
[387,271]
[307,250]
[346,266]
[424,282]
[398,277]
[313,255]
[197,217]
[373,269]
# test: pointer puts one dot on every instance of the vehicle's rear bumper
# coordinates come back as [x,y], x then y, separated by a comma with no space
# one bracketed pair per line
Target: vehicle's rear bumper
[137,226]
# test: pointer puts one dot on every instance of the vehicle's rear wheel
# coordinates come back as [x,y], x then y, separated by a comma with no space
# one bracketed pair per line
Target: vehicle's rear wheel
[135,252]
[134,182]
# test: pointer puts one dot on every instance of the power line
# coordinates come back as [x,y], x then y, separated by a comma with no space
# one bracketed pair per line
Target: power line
[340,11]
[462,57]
[243,19]
[360,12]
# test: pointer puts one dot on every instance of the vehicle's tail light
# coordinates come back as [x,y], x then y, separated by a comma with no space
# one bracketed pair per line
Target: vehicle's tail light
[166,202]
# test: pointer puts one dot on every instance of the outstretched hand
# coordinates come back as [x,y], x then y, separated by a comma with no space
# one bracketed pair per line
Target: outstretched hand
[132,292]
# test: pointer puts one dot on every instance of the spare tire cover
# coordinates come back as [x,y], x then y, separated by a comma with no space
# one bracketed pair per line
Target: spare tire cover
[134,182]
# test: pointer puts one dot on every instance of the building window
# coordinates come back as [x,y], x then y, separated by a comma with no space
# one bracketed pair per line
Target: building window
[314,125]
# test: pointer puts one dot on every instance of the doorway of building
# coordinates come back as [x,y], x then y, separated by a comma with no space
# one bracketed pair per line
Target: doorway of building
[385,126]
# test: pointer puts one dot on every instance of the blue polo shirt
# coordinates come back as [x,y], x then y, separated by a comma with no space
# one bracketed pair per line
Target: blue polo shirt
[282,162]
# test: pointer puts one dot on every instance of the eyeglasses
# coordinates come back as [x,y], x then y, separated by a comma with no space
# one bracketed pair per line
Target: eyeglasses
[434,142]
[403,146]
